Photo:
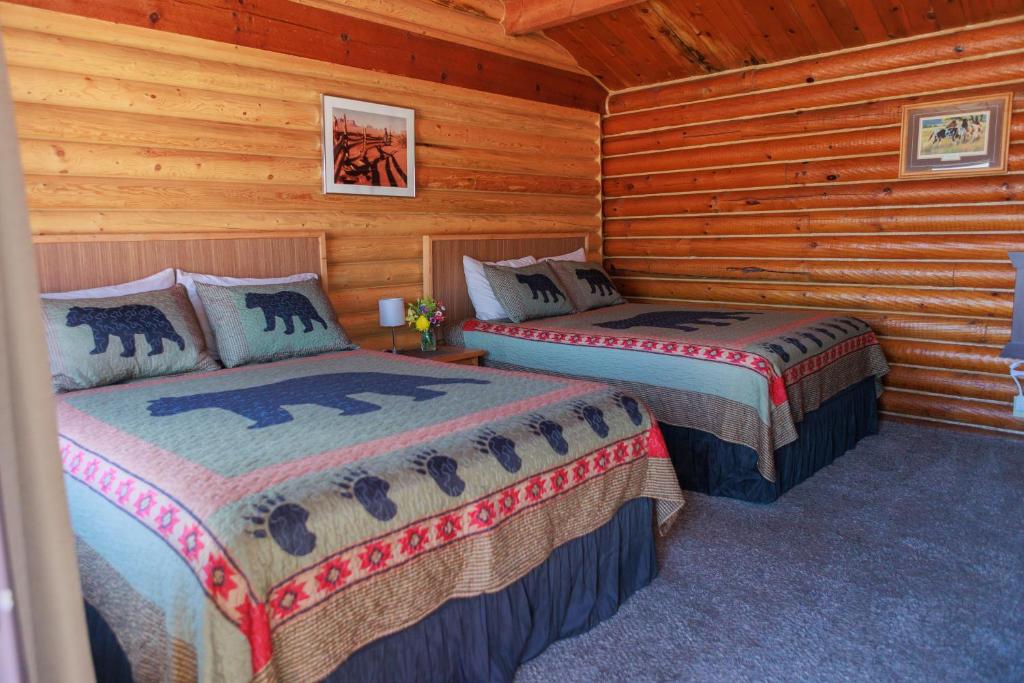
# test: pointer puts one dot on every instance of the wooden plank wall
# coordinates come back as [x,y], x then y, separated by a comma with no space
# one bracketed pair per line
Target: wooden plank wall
[132,130]
[777,187]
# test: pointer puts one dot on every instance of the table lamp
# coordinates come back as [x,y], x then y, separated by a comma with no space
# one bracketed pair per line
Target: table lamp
[392,314]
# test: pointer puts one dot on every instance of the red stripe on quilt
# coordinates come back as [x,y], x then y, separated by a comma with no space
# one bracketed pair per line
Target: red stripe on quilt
[311,586]
[816,362]
[223,582]
[713,354]
[183,531]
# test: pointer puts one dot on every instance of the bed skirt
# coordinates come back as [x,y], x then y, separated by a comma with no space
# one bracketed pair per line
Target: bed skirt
[487,637]
[707,464]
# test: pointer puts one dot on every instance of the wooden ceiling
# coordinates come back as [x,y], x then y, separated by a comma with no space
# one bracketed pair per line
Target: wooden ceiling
[659,40]
[476,23]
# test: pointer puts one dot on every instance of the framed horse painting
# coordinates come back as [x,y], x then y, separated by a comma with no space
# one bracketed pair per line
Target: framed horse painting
[956,137]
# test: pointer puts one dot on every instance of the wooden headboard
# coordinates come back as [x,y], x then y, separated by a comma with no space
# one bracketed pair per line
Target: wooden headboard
[444,279]
[68,262]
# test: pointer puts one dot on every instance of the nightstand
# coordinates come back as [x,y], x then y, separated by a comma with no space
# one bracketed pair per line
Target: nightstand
[449,354]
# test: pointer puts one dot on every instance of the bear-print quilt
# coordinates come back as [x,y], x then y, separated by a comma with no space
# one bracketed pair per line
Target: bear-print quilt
[265,522]
[746,376]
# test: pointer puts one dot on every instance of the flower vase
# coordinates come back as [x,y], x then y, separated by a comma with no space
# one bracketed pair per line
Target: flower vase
[428,340]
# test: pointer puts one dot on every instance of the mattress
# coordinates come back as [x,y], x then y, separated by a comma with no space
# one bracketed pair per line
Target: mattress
[748,377]
[266,522]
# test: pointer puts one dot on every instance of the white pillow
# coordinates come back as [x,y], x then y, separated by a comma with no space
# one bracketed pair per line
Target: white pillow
[162,280]
[480,293]
[189,280]
[578,255]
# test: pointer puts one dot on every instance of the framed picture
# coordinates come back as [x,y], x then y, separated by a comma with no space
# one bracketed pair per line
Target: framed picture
[368,148]
[957,137]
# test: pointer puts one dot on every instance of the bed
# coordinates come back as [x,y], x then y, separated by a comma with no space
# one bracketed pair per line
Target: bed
[349,515]
[751,401]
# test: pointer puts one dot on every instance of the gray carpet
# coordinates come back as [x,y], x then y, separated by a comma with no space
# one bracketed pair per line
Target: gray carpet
[903,560]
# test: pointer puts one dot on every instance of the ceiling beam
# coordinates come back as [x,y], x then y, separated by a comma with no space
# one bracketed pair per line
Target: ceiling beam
[527,16]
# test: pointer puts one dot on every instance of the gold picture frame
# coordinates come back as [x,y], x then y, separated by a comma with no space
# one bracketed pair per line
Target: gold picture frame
[963,137]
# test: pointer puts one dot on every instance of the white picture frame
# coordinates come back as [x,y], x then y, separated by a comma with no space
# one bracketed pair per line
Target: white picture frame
[378,155]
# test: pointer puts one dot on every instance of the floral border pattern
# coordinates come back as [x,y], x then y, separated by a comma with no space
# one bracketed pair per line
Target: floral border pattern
[223,582]
[347,567]
[180,529]
[714,354]
[818,361]
[776,383]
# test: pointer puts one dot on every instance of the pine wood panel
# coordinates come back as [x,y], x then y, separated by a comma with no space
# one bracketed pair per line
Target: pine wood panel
[290,28]
[966,217]
[908,300]
[777,187]
[221,67]
[844,148]
[998,68]
[828,171]
[690,37]
[903,273]
[374,225]
[128,130]
[529,16]
[948,246]
[952,383]
[862,115]
[949,409]
[950,46]
[469,22]
[853,195]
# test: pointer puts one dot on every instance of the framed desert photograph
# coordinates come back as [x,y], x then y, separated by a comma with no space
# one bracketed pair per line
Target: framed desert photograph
[957,137]
[368,148]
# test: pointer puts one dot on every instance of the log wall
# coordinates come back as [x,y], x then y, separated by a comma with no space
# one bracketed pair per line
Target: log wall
[133,130]
[777,187]
[330,35]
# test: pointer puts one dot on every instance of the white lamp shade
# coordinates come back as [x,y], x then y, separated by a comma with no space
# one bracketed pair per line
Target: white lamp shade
[392,312]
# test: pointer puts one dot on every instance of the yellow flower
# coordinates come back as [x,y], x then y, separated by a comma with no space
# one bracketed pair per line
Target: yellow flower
[422,324]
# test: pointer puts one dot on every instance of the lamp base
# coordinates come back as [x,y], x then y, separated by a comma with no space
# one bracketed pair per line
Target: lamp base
[394,347]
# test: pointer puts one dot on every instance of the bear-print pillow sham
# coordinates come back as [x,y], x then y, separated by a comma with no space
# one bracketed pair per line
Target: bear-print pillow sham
[587,284]
[264,323]
[528,292]
[97,341]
